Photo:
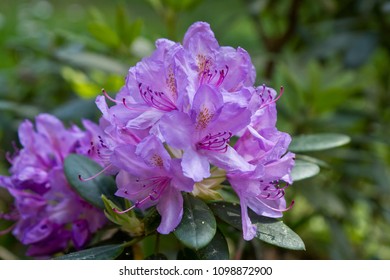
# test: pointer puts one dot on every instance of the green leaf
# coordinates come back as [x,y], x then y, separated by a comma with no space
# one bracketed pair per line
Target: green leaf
[181,5]
[303,170]
[228,212]
[106,252]
[272,231]
[275,232]
[217,249]
[318,142]
[104,33]
[198,226]
[91,190]
[23,110]
[92,60]
[187,254]
[75,109]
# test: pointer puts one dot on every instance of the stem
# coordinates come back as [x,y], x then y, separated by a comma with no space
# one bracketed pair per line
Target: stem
[133,241]
[212,169]
[240,249]
[275,44]
[170,21]
[157,245]
[215,177]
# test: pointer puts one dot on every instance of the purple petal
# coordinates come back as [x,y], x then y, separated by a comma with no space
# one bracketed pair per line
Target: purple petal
[30,173]
[179,181]
[145,120]
[248,229]
[281,169]
[124,157]
[195,165]
[38,232]
[241,98]
[200,40]
[101,103]
[53,131]
[156,77]
[54,243]
[26,134]
[230,161]
[240,68]
[206,106]
[232,118]
[80,233]
[170,207]
[28,202]
[152,151]
[267,207]
[177,129]
[132,189]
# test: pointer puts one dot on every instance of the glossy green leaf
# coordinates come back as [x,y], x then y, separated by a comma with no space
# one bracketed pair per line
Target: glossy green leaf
[228,212]
[91,190]
[198,226]
[303,170]
[217,249]
[272,231]
[318,142]
[106,252]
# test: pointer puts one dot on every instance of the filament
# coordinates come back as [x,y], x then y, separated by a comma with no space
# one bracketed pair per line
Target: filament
[96,175]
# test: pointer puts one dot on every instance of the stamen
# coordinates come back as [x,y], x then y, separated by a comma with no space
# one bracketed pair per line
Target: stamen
[222,76]
[270,100]
[7,230]
[102,142]
[156,99]
[131,109]
[276,209]
[159,183]
[109,97]
[96,175]
[208,76]
[131,207]
[273,191]
[122,103]
[10,157]
[218,142]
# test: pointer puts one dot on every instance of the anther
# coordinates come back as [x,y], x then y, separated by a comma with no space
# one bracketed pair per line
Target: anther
[109,97]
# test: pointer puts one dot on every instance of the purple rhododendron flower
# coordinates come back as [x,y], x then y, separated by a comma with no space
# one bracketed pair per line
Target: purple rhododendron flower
[48,214]
[150,177]
[175,117]
[204,134]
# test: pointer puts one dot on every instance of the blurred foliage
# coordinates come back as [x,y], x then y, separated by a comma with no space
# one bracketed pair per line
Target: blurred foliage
[332,57]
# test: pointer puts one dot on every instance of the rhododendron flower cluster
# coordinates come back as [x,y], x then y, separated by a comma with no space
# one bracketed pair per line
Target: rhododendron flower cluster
[48,214]
[175,117]
[188,117]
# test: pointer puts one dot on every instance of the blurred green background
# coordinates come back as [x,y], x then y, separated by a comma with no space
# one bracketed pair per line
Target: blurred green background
[332,57]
